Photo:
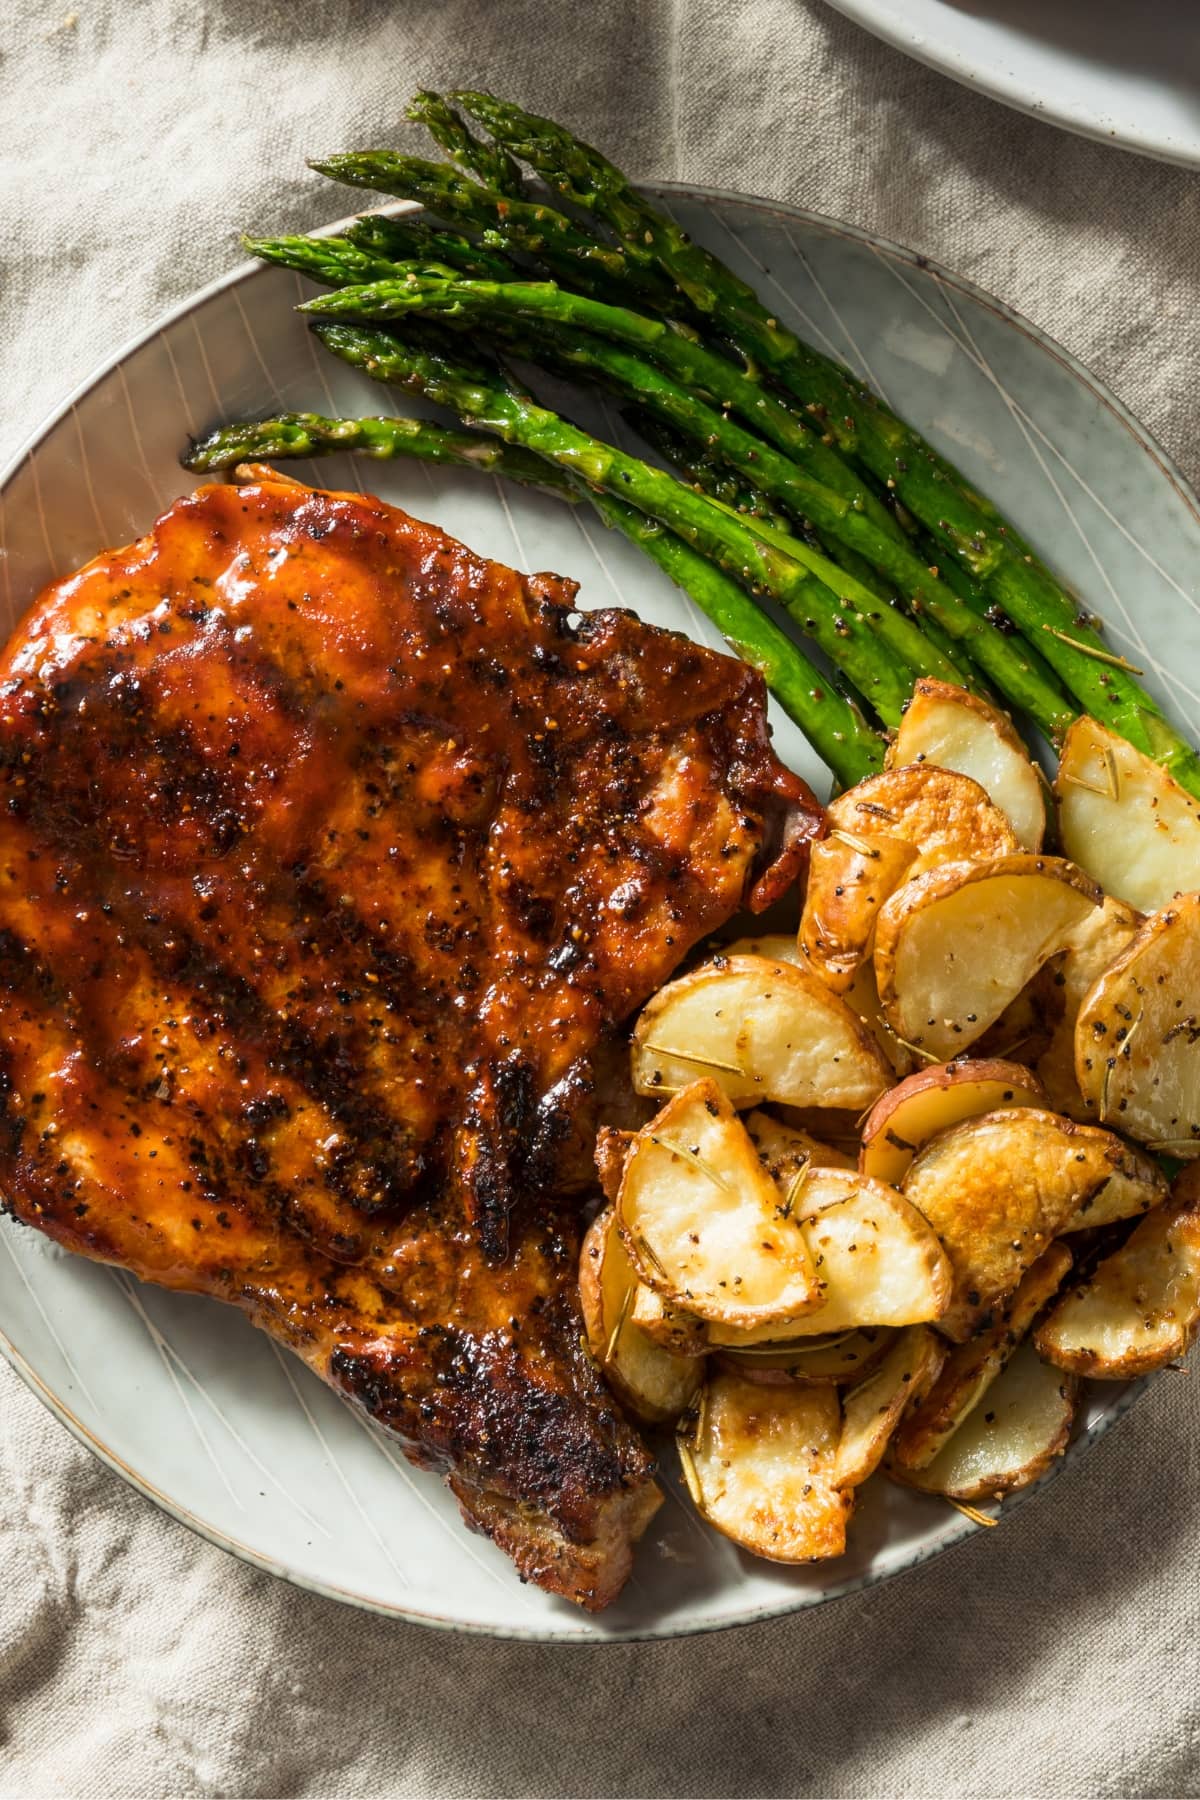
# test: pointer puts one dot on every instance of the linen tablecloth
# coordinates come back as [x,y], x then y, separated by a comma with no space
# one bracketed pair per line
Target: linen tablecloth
[1056,1656]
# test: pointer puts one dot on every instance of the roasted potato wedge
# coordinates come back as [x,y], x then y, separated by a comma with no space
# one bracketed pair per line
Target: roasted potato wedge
[954,947]
[902,1121]
[849,878]
[1137,1037]
[761,1030]
[1092,947]
[872,1410]
[971,1368]
[876,1258]
[952,729]
[703,1223]
[1138,1186]
[678,1331]
[759,1465]
[844,1357]
[785,1149]
[1125,820]
[1007,1443]
[1141,1308]
[997,1190]
[653,1383]
[943,815]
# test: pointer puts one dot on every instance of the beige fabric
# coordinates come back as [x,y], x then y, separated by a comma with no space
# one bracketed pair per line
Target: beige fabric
[1056,1656]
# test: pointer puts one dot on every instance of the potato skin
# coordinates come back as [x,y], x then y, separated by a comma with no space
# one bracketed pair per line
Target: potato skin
[997,1190]
[1046,1402]
[971,1368]
[1153,1279]
[1134,1030]
[1017,787]
[762,1030]
[848,882]
[667,1381]
[760,1465]
[1125,819]
[995,1084]
[950,957]
[942,814]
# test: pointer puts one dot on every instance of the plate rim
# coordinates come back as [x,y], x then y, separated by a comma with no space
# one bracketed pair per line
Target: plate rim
[878,18]
[552,1631]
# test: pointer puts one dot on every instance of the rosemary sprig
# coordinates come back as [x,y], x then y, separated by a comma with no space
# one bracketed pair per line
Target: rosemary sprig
[688,1465]
[694,1157]
[646,1249]
[1111,1063]
[870,851]
[928,1055]
[618,1328]
[1104,656]
[691,1056]
[794,1186]
[1114,774]
[971,1512]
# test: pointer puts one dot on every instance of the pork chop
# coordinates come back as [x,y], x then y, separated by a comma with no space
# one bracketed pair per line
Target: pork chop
[332,857]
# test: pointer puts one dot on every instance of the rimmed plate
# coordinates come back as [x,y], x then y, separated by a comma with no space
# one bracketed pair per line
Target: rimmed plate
[1123,75]
[179,1394]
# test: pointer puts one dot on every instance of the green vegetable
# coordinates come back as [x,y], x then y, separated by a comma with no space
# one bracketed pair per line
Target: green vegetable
[577,320]
[408,240]
[312,434]
[493,166]
[334,261]
[529,226]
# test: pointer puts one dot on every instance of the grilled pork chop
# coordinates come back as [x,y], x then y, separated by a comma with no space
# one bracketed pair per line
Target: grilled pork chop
[331,856]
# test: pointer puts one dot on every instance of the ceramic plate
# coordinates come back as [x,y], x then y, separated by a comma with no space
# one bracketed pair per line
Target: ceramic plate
[1127,75]
[179,1394]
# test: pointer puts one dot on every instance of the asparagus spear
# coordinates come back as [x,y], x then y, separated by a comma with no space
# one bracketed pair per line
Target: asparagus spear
[693,366]
[832,514]
[714,478]
[413,241]
[529,225]
[493,166]
[833,725]
[933,491]
[590,182]
[973,595]
[843,633]
[701,469]
[334,261]
[313,434]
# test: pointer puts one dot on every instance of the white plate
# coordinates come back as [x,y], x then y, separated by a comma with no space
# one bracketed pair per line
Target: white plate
[1125,74]
[179,1394]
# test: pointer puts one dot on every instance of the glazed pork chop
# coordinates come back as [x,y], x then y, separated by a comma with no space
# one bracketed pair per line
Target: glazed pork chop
[332,857]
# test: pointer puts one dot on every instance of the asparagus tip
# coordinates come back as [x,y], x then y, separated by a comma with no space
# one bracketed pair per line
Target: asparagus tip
[197,456]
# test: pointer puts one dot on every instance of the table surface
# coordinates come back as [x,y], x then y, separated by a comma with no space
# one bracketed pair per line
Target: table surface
[1055,1656]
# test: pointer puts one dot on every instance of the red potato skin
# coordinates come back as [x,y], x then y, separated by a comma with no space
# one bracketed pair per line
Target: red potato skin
[1027,1091]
